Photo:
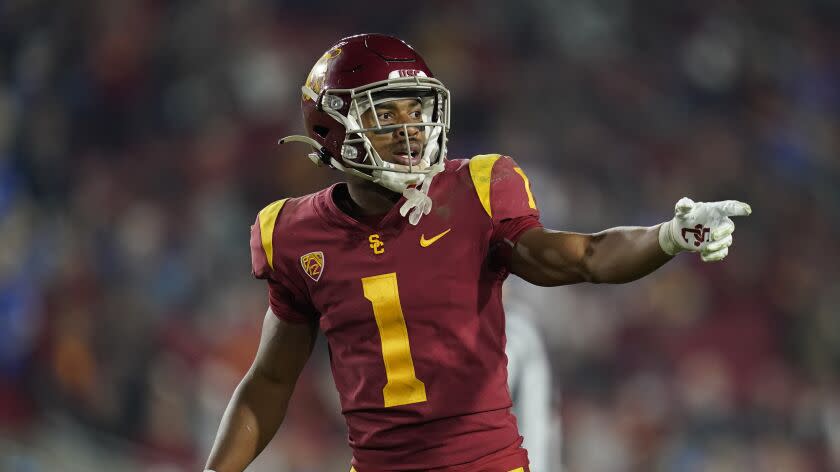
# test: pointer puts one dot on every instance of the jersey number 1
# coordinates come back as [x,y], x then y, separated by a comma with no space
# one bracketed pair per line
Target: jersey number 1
[403,386]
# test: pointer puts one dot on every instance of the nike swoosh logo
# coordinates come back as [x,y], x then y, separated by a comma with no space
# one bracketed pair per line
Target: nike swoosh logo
[428,242]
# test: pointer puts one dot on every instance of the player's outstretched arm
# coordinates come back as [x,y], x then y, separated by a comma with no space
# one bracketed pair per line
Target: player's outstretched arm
[617,255]
[259,403]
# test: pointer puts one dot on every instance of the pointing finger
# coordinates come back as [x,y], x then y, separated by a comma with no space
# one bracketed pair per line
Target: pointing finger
[733,208]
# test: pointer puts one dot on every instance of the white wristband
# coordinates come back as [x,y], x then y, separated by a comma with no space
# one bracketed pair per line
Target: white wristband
[666,239]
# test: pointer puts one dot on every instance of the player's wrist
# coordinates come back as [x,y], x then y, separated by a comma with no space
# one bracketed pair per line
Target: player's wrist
[667,242]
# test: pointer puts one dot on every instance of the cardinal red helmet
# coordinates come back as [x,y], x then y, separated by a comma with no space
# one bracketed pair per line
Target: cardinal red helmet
[355,74]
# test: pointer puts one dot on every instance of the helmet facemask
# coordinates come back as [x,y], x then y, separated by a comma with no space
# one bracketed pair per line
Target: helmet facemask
[358,155]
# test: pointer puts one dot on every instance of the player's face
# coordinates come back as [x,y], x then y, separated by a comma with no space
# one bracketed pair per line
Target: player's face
[391,145]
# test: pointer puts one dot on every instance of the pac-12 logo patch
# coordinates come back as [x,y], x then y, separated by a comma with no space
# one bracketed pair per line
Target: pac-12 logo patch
[313,264]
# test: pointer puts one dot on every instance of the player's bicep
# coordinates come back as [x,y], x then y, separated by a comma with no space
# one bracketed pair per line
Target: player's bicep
[284,349]
[549,258]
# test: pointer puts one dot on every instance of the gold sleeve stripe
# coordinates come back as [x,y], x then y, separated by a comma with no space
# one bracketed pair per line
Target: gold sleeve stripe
[481,168]
[531,202]
[268,217]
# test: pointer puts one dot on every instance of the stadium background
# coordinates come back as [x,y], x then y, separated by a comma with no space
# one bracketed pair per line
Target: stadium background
[137,143]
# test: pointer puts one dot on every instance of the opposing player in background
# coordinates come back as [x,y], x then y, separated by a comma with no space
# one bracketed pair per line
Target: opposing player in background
[531,390]
[401,268]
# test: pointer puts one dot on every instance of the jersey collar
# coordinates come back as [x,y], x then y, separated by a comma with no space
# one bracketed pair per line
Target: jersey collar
[328,209]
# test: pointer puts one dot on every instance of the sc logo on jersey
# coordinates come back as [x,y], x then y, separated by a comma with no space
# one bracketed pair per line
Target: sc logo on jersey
[376,244]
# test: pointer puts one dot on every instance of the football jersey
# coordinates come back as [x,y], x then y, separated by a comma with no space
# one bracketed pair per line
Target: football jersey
[412,315]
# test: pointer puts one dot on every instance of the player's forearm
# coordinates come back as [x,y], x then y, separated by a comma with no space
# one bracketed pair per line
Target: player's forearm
[254,414]
[623,254]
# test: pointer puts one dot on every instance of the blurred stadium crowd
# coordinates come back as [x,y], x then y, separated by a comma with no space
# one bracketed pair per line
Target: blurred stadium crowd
[137,143]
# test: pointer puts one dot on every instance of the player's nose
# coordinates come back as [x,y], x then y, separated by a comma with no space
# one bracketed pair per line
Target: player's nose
[407,129]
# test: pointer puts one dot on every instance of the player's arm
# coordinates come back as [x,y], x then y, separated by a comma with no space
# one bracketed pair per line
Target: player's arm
[259,403]
[549,258]
[617,255]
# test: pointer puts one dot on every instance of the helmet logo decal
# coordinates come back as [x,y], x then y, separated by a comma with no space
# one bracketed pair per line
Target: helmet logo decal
[406,73]
[313,264]
[315,80]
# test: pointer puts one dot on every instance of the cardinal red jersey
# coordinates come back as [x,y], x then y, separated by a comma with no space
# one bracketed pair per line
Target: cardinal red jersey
[412,314]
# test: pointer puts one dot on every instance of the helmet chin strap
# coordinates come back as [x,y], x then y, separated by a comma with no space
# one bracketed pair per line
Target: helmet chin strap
[395,180]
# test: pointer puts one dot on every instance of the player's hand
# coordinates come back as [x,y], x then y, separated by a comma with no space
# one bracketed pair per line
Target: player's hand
[704,227]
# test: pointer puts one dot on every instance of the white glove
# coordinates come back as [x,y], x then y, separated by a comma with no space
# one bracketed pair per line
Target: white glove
[703,227]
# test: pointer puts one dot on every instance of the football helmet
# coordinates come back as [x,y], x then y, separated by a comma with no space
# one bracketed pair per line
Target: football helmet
[354,75]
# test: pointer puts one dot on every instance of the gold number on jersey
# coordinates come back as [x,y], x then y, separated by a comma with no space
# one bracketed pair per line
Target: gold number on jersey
[403,386]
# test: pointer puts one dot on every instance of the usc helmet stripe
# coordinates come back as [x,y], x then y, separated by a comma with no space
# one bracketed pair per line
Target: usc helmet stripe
[268,217]
[481,168]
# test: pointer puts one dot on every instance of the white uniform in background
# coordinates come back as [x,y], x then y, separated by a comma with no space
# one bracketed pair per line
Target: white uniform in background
[529,380]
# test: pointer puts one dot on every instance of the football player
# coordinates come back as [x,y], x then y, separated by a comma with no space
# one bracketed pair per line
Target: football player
[529,381]
[401,268]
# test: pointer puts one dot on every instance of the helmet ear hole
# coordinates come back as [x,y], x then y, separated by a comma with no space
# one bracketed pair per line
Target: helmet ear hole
[321,131]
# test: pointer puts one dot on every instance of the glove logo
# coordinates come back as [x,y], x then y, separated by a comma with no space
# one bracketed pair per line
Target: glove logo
[700,234]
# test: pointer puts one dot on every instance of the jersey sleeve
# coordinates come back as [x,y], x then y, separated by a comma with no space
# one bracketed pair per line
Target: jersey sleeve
[262,240]
[289,304]
[505,194]
[287,301]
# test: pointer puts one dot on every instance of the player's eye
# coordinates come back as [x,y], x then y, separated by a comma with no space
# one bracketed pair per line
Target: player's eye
[385,116]
[417,115]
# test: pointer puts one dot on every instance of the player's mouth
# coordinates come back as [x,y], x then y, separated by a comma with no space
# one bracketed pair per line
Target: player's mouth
[405,158]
